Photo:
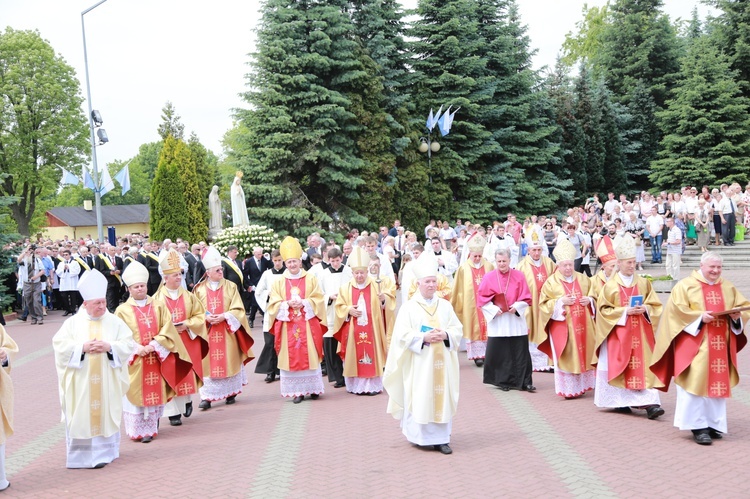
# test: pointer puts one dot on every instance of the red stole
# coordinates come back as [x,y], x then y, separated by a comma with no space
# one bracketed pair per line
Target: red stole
[476,279]
[187,385]
[217,340]
[148,327]
[540,277]
[625,348]
[575,321]
[364,337]
[296,329]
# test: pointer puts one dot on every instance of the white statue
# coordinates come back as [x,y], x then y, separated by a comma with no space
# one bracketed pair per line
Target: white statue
[239,209]
[214,208]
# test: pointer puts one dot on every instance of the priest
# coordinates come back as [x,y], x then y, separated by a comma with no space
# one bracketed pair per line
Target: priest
[628,313]
[360,324]
[268,360]
[298,322]
[92,350]
[159,362]
[189,319]
[566,311]
[504,298]
[699,336]
[536,268]
[464,300]
[422,372]
[229,340]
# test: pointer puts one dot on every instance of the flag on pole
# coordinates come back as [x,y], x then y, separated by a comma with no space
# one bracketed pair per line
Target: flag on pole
[88,182]
[123,178]
[429,120]
[442,122]
[107,183]
[68,178]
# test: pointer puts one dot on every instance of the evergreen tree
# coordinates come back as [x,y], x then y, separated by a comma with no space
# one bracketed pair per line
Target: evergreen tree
[706,124]
[170,123]
[298,142]
[167,202]
[205,168]
[639,44]
[196,206]
[589,116]
[731,31]
[613,164]
[641,135]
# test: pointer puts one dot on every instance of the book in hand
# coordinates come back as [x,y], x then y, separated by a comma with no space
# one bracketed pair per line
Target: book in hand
[500,302]
[730,311]
[636,300]
[426,328]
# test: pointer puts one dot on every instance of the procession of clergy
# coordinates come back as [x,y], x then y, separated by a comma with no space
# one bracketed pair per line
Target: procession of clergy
[607,333]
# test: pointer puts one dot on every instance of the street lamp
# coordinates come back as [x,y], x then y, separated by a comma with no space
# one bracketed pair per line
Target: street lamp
[429,146]
[95,121]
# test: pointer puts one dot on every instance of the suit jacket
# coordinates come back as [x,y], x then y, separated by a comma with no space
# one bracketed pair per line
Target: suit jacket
[154,278]
[231,275]
[253,272]
[102,267]
[196,269]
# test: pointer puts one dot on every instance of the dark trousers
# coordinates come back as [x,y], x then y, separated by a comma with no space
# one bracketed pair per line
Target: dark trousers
[253,306]
[577,264]
[727,228]
[334,365]
[68,301]
[113,296]
[507,362]
[32,299]
[268,360]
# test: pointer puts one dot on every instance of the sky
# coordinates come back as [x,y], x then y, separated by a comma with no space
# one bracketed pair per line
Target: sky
[195,54]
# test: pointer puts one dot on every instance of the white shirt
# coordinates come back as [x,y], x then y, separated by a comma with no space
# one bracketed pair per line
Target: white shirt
[655,224]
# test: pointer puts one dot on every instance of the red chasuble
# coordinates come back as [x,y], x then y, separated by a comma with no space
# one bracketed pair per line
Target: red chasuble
[148,327]
[194,346]
[625,346]
[540,276]
[296,329]
[476,278]
[217,338]
[364,337]
[575,319]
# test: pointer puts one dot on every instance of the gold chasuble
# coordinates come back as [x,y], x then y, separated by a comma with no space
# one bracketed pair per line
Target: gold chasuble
[629,347]
[362,340]
[299,340]
[154,381]
[704,364]
[6,387]
[227,350]
[388,287]
[597,284]
[535,278]
[574,337]
[188,310]
[464,299]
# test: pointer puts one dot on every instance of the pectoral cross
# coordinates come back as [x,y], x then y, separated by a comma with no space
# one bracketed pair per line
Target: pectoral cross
[145,319]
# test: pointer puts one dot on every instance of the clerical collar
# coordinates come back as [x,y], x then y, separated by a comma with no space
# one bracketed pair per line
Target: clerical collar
[140,303]
[536,263]
[438,252]
[334,271]
[173,293]
[361,286]
[569,279]
[94,318]
[295,276]
[626,279]
[214,285]
[476,265]
[279,271]
[428,301]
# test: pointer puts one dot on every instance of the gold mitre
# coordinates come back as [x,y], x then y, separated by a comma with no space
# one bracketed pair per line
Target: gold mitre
[477,244]
[290,248]
[605,249]
[358,259]
[625,247]
[169,261]
[533,241]
[136,273]
[564,251]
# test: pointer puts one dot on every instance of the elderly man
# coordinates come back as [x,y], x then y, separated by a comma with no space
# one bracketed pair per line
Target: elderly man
[504,298]
[253,269]
[360,325]
[92,350]
[464,300]
[229,340]
[189,319]
[298,321]
[536,268]
[566,312]
[422,373]
[628,313]
[160,361]
[701,332]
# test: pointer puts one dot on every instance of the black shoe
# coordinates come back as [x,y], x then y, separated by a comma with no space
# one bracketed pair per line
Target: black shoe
[22,319]
[300,398]
[146,440]
[479,362]
[529,388]
[701,437]
[188,409]
[715,435]
[654,411]
[314,396]
[443,448]
[504,388]
[252,324]
[339,384]
[623,410]
[66,314]
[270,377]
[40,323]
[33,322]
[324,371]
[99,466]
[175,420]
[231,400]
[205,404]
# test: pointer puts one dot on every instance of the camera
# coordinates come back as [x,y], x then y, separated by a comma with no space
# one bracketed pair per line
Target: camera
[32,247]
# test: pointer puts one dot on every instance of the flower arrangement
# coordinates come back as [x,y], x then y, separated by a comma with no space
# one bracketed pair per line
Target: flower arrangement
[246,238]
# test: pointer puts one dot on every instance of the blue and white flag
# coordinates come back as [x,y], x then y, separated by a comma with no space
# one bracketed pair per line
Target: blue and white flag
[430,118]
[68,178]
[123,178]
[442,122]
[107,183]
[88,182]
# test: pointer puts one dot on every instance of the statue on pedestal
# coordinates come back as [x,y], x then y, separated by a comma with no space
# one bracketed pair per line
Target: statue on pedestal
[239,209]
[214,208]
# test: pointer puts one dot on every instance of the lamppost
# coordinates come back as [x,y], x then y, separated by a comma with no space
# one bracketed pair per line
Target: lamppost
[429,146]
[93,126]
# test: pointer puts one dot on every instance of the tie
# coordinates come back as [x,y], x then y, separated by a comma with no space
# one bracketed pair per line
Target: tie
[257,263]
[731,204]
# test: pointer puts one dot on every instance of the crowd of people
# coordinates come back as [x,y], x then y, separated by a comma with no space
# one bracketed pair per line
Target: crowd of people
[155,323]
